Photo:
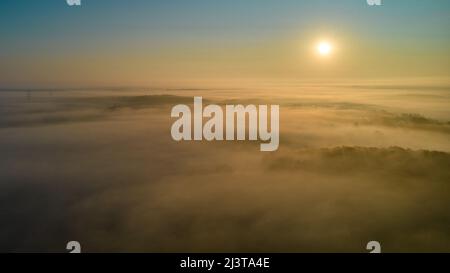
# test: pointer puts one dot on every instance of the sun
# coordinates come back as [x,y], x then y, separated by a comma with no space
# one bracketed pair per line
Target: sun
[324,48]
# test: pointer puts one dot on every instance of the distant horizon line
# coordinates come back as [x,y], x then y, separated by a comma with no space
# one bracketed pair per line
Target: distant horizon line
[233,84]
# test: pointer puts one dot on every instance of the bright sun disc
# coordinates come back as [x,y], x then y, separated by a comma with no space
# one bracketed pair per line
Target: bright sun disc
[324,48]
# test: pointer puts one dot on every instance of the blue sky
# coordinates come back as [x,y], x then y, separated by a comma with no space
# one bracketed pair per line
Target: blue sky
[32,31]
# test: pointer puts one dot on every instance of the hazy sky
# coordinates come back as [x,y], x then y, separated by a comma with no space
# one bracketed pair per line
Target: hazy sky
[140,42]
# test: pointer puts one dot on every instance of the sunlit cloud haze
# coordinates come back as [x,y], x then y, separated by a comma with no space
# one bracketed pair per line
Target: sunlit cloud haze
[100,166]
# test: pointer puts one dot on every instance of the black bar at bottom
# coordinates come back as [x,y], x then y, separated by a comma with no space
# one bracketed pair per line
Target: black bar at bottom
[224,262]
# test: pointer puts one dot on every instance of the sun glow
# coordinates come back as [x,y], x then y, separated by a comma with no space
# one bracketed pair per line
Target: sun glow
[324,48]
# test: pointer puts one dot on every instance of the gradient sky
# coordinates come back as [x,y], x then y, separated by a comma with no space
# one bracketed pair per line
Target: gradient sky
[140,42]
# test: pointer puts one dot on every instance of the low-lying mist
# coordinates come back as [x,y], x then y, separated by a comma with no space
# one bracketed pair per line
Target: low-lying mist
[355,164]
